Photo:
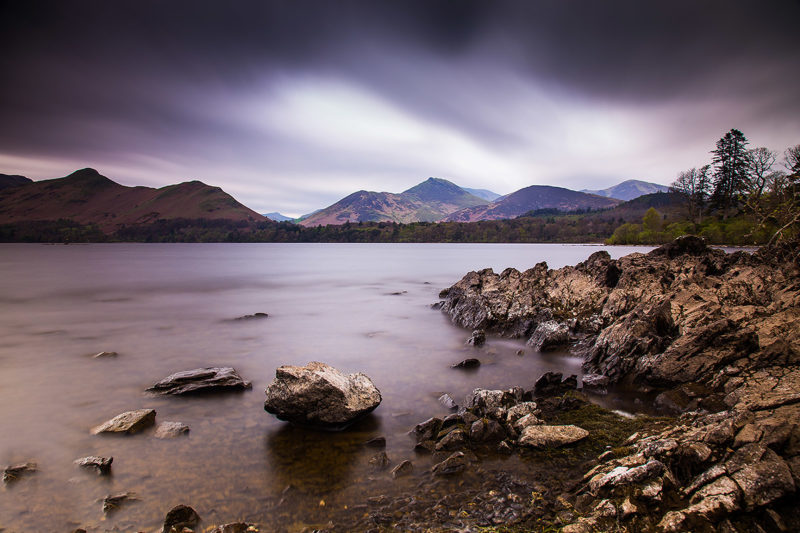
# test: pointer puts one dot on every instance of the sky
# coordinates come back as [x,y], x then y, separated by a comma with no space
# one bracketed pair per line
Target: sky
[290,105]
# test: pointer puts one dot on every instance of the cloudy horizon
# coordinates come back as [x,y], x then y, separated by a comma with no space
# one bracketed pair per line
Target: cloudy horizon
[289,106]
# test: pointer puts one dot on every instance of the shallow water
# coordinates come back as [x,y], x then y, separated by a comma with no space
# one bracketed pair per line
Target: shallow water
[168,307]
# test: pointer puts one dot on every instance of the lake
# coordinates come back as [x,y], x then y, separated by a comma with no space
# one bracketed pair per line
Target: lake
[169,307]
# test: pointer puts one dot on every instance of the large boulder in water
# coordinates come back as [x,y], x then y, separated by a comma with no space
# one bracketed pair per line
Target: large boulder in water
[320,396]
[200,380]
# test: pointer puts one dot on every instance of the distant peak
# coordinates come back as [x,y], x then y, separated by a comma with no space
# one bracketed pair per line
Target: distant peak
[88,176]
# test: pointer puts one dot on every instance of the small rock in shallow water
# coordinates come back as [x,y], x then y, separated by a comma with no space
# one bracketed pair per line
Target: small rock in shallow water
[101,464]
[467,363]
[104,354]
[253,316]
[201,380]
[448,401]
[170,430]
[179,517]
[377,442]
[478,338]
[127,423]
[113,502]
[454,464]
[320,396]
[403,469]
[235,527]
[379,461]
[12,473]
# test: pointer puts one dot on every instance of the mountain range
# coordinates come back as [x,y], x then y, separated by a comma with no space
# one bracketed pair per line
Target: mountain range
[87,197]
[628,190]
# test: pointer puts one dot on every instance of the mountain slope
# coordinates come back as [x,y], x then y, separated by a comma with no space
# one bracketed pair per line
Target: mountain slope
[531,198]
[428,201]
[486,194]
[87,197]
[277,217]
[13,180]
[628,190]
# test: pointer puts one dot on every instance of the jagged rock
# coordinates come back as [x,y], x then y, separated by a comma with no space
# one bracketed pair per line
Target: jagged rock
[551,436]
[101,464]
[549,335]
[447,401]
[623,475]
[13,473]
[595,383]
[179,517]
[486,430]
[486,401]
[467,363]
[201,380]
[402,469]
[428,429]
[551,384]
[765,481]
[478,338]
[455,463]
[115,501]
[521,410]
[454,440]
[170,430]
[127,423]
[320,396]
[528,420]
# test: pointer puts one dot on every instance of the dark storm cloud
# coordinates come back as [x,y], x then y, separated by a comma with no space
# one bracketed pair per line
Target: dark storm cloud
[103,80]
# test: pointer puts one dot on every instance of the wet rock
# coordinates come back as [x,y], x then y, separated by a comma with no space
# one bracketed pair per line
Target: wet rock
[447,401]
[454,464]
[454,440]
[478,338]
[254,316]
[403,469]
[551,436]
[127,423]
[551,384]
[320,396]
[376,442]
[103,355]
[179,517]
[623,475]
[686,397]
[486,431]
[595,383]
[467,363]
[101,465]
[549,335]
[199,380]
[115,501]
[379,461]
[13,473]
[428,429]
[170,430]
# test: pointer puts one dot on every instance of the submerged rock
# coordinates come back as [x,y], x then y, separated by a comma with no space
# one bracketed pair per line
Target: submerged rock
[402,469]
[13,473]
[102,465]
[114,502]
[320,396]
[541,436]
[170,430]
[127,423]
[179,517]
[234,527]
[201,380]
[455,463]
[101,355]
[254,316]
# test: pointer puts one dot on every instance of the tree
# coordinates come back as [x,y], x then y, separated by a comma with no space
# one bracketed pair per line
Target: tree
[694,185]
[731,163]
[761,161]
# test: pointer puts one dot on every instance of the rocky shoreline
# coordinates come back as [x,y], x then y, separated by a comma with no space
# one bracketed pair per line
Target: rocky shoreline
[715,335]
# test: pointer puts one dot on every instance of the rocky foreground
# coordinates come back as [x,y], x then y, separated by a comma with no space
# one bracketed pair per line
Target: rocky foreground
[716,334]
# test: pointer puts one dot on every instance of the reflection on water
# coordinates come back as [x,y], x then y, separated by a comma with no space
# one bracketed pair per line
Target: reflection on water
[165,308]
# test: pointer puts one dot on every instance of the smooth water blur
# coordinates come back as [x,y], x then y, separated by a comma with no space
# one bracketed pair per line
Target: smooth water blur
[168,307]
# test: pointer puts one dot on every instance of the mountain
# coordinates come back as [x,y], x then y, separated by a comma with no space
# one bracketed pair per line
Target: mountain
[428,201]
[87,197]
[12,180]
[486,194]
[532,198]
[277,217]
[628,190]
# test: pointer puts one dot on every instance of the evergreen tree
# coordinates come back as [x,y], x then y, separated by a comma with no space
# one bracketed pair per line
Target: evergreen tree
[731,164]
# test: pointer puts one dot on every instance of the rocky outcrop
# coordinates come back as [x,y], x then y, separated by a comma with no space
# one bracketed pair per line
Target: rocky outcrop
[679,314]
[201,380]
[127,423]
[320,396]
[549,335]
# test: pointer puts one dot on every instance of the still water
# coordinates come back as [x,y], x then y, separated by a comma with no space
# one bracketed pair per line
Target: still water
[168,307]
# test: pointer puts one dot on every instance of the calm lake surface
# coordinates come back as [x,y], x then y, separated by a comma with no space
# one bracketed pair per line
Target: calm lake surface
[168,307]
